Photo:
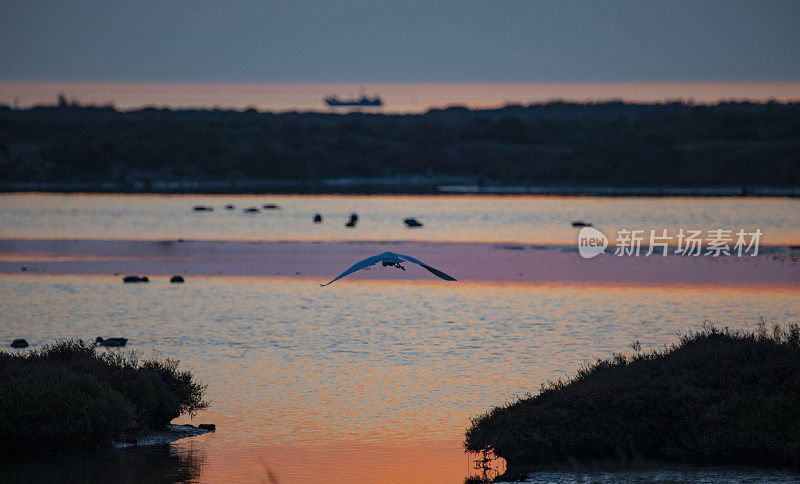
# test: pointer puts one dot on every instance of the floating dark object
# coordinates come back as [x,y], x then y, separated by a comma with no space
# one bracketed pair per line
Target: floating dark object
[251,210]
[203,208]
[110,342]
[229,207]
[23,268]
[209,427]
[176,279]
[19,343]
[135,279]
[412,222]
[579,223]
[272,206]
[353,220]
[317,218]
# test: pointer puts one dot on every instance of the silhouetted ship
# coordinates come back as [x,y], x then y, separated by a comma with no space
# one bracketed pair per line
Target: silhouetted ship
[363,101]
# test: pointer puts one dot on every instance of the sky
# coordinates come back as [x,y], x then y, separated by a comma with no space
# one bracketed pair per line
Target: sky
[400,41]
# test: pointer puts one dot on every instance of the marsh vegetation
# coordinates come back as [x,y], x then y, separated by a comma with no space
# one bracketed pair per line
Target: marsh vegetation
[70,395]
[715,397]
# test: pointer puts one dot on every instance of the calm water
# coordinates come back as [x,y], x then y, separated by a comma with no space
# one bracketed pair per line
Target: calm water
[365,380]
[475,218]
[398,98]
[308,382]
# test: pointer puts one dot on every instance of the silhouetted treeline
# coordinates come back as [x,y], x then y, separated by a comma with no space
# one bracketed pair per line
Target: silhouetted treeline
[613,144]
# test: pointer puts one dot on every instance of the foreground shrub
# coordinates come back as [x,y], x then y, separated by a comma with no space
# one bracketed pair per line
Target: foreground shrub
[717,397]
[70,396]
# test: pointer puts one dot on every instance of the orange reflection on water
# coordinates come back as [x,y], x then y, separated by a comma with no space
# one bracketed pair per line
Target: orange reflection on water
[366,381]
[418,461]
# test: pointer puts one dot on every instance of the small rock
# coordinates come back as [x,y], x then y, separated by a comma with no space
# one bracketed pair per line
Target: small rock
[176,279]
[317,218]
[251,210]
[580,223]
[203,208]
[229,207]
[412,222]
[272,206]
[19,343]
[135,279]
[209,427]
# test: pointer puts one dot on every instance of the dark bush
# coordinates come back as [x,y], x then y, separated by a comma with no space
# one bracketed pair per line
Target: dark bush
[71,396]
[717,397]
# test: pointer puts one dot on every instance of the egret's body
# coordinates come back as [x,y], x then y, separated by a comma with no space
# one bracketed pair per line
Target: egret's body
[391,259]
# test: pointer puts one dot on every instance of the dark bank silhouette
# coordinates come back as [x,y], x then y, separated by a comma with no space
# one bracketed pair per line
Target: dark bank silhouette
[609,144]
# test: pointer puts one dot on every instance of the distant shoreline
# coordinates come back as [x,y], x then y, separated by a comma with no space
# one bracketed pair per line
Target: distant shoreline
[389,186]
[613,149]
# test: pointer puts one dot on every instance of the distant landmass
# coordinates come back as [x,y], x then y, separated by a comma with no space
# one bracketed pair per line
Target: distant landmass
[613,147]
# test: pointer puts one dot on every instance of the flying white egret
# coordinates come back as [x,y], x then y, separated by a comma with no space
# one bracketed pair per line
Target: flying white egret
[391,259]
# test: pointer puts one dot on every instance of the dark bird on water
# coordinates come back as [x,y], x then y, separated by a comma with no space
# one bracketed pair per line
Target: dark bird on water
[391,259]
[317,218]
[110,342]
[353,220]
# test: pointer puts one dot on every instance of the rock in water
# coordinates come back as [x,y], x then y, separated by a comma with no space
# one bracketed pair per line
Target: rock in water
[317,218]
[176,279]
[19,343]
[412,222]
[135,279]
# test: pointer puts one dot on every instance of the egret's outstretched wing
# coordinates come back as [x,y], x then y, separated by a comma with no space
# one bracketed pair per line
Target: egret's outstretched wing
[360,265]
[433,271]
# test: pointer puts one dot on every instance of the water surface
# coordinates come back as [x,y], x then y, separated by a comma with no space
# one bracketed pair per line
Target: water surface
[374,378]
[472,218]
